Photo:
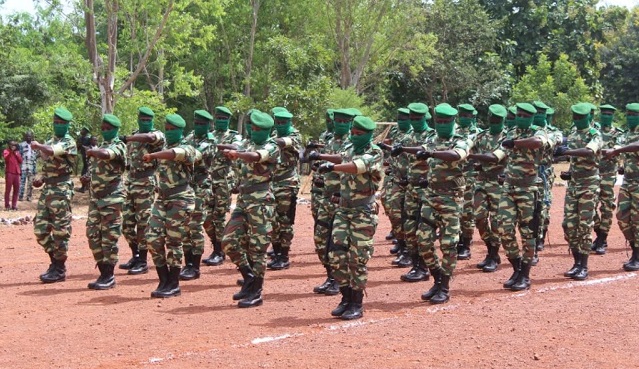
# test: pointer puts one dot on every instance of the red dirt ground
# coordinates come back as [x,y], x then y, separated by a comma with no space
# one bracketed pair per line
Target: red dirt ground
[557,324]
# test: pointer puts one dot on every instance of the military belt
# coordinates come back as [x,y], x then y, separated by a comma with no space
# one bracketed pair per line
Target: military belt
[142,174]
[286,175]
[56,180]
[585,174]
[345,203]
[264,186]
[163,194]
[522,182]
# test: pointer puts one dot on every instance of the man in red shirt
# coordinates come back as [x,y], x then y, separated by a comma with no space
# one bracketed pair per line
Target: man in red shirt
[13,160]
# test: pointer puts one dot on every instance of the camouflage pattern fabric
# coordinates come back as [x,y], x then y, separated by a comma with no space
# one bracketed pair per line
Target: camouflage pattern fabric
[171,212]
[468,212]
[286,186]
[519,195]
[104,219]
[316,192]
[582,191]
[443,202]
[399,166]
[547,175]
[140,190]
[611,137]
[356,218]
[52,223]
[627,206]
[389,176]
[248,233]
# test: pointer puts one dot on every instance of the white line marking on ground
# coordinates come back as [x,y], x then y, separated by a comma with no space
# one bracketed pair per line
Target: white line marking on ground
[257,341]
[590,282]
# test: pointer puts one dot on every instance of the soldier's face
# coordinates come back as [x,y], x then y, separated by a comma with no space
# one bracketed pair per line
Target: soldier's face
[357,132]
[106,127]
[465,114]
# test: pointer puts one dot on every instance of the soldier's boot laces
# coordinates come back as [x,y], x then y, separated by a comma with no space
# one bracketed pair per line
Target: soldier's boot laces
[254,294]
[163,275]
[442,295]
[575,266]
[523,280]
[516,263]
[140,266]
[346,301]
[582,274]
[437,277]
[355,309]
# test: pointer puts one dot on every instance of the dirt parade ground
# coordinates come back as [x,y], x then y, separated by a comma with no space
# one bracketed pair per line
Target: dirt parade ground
[558,323]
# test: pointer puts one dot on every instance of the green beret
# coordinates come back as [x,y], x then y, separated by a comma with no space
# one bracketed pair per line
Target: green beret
[278,109]
[355,112]
[329,113]
[633,107]
[445,110]
[344,112]
[592,106]
[418,108]
[364,123]
[467,107]
[512,110]
[581,108]
[146,111]
[176,120]
[112,120]
[404,111]
[529,108]
[63,114]
[203,114]
[283,115]
[262,120]
[550,111]
[223,109]
[498,110]
[607,107]
[540,105]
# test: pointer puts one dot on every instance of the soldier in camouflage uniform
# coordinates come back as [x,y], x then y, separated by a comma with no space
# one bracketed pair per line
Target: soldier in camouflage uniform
[204,142]
[52,223]
[628,203]
[584,149]
[611,136]
[487,187]
[286,185]
[140,189]
[104,219]
[171,213]
[220,200]
[248,232]
[386,191]
[467,128]
[330,185]
[317,182]
[360,168]
[446,155]
[518,205]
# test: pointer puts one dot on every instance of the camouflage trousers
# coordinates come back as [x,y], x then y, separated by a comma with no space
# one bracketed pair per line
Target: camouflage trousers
[322,230]
[169,227]
[387,183]
[579,211]
[517,208]
[628,210]
[26,184]
[195,240]
[607,206]
[486,202]
[104,227]
[218,204]
[396,209]
[467,225]
[137,212]
[546,199]
[413,202]
[285,208]
[52,223]
[440,210]
[248,234]
[352,245]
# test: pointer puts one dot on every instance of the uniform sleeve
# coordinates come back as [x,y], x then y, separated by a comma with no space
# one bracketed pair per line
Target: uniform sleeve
[159,139]
[269,153]
[371,161]
[66,146]
[544,138]
[463,147]
[186,153]
[596,143]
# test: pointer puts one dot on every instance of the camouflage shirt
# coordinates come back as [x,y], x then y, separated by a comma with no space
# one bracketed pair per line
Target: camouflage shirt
[631,159]
[359,189]
[286,169]
[137,150]
[399,164]
[486,142]
[523,164]
[62,162]
[611,137]
[106,175]
[221,165]
[332,179]
[469,133]
[201,169]
[554,139]
[255,178]
[584,169]
[446,176]
[176,175]
[418,169]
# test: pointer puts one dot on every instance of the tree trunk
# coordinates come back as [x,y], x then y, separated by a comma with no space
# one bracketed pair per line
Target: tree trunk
[249,61]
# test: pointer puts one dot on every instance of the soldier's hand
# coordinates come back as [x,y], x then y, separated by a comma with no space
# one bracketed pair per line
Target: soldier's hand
[397,150]
[235,190]
[314,166]
[608,153]
[312,145]
[501,178]
[280,142]
[423,183]
[478,167]
[37,183]
[318,182]
[423,154]
[508,144]
[325,168]
[313,155]
[146,158]
[621,171]
[122,138]
[85,180]
[560,151]
[566,176]
[384,146]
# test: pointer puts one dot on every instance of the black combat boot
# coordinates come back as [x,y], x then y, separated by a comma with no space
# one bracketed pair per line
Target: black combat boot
[57,273]
[523,280]
[140,266]
[254,294]
[418,272]
[442,295]
[329,284]
[107,277]
[463,248]
[163,274]
[576,266]
[187,264]
[355,309]
[193,271]
[134,257]
[249,278]
[401,246]
[281,260]
[582,274]
[51,266]
[602,243]
[217,256]
[344,304]
[540,241]
[516,263]
[390,236]
[493,259]
[483,263]
[595,243]
[172,286]
[633,264]
[277,250]
[437,277]
[535,259]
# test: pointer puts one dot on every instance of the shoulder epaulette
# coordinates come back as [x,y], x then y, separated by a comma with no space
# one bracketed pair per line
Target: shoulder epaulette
[593,131]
